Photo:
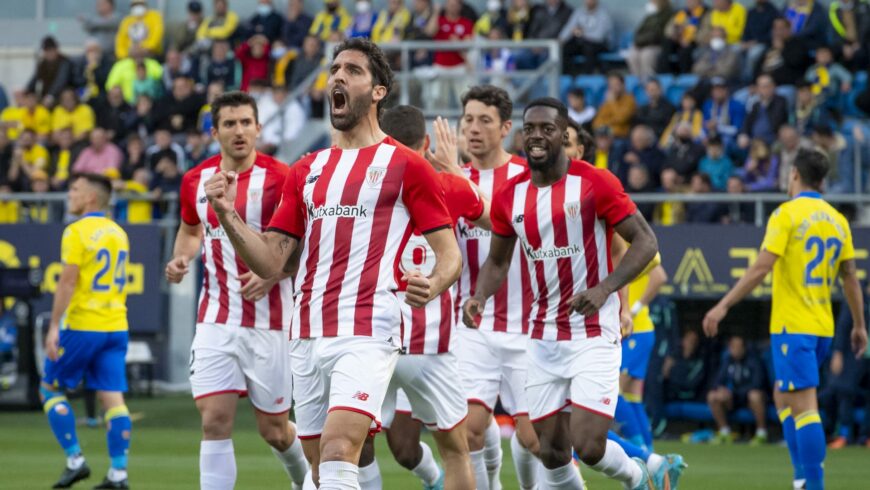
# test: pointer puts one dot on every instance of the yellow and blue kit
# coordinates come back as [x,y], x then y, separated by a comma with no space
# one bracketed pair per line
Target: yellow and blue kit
[637,348]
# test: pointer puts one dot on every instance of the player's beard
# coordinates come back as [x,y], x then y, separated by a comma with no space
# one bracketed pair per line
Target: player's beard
[357,108]
[544,162]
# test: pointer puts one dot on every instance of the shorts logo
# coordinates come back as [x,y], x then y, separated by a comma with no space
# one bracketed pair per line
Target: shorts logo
[572,209]
[359,395]
[375,175]
[605,400]
[279,400]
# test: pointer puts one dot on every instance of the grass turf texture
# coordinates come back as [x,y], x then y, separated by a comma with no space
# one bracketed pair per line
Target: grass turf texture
[165,455]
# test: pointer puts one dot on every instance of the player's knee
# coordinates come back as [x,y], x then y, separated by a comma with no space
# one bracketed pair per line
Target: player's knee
[714,397]
[590,450]
[554,457]
[336,448]
[216,425]
[476,436]
[276,436]
[407,455]
[755,396]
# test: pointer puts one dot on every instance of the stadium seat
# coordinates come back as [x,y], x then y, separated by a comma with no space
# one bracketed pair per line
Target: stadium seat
[680,86]
[565,84]
[593,86]
[617,57]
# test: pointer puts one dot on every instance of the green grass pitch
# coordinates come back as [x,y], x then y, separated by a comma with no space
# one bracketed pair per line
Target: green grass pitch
[164,455]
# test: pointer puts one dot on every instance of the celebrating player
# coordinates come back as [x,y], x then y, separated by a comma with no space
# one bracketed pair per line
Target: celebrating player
[492,359]
[807,243]
[354,205]
[241,345]
[87,335]
[564,211]
[424,386]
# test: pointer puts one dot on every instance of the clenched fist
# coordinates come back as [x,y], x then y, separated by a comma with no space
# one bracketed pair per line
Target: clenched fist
[220,190]
[471,311]
[418,292]
[176,269]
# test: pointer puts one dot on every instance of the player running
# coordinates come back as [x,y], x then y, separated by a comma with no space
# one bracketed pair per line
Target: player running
[241,345]
[564,213]
[88,335]
[807,243]
[354,205]
[492,359]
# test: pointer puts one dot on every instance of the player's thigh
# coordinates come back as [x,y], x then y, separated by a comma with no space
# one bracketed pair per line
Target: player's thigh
[589,433]
[403,437]
[452,443]
[214,364]
[107,370]
[479,369]
[218,413]
[76,350]
[264,356]
[553,434]
[344,433]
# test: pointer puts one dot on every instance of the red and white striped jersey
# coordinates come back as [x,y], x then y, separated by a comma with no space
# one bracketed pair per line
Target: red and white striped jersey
[354,210]
[565,232]
[428,330]
[507,310]
[258,193]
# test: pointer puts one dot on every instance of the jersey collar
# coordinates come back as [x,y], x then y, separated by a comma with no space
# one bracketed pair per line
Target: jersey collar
[810,194]
[99,214]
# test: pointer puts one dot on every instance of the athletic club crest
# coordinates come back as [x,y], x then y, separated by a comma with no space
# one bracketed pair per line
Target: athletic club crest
[375,175]
[572,210]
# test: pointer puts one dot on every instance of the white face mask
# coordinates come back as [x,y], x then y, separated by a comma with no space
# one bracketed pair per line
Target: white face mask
[264,9]
[493,5]
[717,43]
[651,8]
[278,52]
[363,7]
[138,10]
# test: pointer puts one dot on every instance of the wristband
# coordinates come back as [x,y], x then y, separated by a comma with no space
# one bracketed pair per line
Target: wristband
[636,307]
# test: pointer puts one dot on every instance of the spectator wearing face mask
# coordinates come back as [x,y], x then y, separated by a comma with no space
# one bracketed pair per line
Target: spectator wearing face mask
[364,19]
[648,38]
[718,58]
[266,21]
[334,18]
[143,28]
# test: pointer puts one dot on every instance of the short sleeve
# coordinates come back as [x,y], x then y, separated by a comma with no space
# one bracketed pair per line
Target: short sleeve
[848,252]
[423,197]
[611,202]
[499,212]
[464,202]
[777,233]
[289,217]
[188,200]
[72,250]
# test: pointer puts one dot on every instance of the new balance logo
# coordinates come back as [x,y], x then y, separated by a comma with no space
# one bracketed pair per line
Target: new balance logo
[605,400]
[312,179]
[337,211]
[519,218]
[279,400]
[359,395]
[203,199]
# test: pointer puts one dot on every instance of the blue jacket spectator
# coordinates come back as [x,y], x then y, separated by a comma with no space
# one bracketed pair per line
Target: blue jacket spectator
[807,21]
[759,21]
[766,116]
[266,21]
[296,25]
[723,115]
[716,164]
[704,212]
[740,382]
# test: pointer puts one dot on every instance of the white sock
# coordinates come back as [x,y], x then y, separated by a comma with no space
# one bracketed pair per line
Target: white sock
[525,463]
[761,432]
[338,475]
[617,465]
[116,475]
[294,461]
[563,478]
[217,465]
[798,484]
[725,430]
[75,462]
[478,465]
[370,477]
[493,454]
[654,462]
[309,482]
[427,471]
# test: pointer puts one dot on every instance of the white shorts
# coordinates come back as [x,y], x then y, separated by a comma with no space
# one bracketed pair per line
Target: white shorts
[432,395]
[493,365]
[582,373]
[340,373]
[248,361]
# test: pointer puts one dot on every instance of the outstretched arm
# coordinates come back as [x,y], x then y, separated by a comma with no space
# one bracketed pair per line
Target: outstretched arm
[753,277]
[492,275]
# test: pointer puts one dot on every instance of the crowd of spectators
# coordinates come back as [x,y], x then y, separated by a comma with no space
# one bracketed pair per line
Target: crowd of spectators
[762,82]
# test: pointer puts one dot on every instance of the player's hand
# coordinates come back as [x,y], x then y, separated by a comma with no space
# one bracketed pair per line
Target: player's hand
[471,311]
[590,301]
[626,323]
[254,287]
[220,190]
[446,156]
[712,319]
[859,340]
[52,339]
[176,269]
[418,292]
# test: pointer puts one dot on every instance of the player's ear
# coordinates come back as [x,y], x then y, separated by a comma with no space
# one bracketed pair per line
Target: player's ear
[506,128]
[379,92]
[427,143]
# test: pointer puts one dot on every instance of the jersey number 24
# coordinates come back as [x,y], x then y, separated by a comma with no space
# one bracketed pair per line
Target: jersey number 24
[117,268]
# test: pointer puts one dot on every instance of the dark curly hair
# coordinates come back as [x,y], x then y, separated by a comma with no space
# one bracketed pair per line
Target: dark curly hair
[379,67]
[491,96]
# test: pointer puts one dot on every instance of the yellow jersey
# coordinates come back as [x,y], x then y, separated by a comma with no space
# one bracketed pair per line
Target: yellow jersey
[811,239]
[642,321]
[81,119]
[100,248]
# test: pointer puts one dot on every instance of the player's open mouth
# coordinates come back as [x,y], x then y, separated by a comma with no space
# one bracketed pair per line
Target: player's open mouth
[239,144]
[537,151]
[339,100]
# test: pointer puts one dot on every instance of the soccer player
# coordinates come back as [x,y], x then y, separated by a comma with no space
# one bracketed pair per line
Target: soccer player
[87,335]
[241,346]
[354,205]
[564,213]
[424,386]
[492,359]
[806,244]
